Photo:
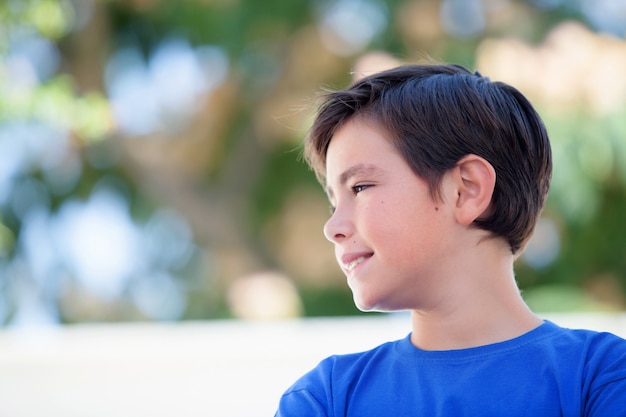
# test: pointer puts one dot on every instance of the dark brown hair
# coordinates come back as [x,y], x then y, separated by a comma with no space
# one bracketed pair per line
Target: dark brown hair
[437,114]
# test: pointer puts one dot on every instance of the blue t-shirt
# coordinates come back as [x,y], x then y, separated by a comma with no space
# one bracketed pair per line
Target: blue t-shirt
[549,371]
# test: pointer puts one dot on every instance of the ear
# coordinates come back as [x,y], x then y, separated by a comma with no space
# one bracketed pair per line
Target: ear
[475,180]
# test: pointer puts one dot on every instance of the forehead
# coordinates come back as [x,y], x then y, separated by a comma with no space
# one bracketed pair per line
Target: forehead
[359,148]
[359,170]
[358,140]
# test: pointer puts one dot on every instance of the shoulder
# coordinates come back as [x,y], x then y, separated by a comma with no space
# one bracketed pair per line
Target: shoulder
[347,365]
[589,342]
[600,360]
[589,346]
[605,355]
[315,393]
[354,362]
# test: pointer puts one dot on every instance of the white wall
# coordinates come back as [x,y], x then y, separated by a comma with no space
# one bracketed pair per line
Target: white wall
[221,368]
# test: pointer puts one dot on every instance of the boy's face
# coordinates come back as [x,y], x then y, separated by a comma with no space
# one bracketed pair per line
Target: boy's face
[390,237]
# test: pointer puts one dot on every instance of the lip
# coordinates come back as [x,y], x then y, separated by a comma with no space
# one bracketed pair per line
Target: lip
[350,261]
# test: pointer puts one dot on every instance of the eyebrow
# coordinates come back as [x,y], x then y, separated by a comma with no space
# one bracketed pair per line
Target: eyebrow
[354,170]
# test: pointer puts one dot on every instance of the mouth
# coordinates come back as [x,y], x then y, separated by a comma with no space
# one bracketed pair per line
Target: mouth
[350,266]
[353,263]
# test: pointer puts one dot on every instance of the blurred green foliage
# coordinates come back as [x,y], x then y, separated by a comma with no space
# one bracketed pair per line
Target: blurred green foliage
[206,173]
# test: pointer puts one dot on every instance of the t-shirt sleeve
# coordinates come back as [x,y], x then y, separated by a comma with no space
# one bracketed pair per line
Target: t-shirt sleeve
[310,395]
[607,396]
[300,403]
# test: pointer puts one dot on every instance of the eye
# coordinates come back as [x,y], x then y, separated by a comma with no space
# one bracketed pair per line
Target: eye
[331,209]
[360,187]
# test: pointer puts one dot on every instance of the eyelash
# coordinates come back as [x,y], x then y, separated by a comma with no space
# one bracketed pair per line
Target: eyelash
[356,189]
[360,187]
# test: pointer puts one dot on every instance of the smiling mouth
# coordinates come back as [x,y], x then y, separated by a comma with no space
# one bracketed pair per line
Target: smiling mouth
[350,266]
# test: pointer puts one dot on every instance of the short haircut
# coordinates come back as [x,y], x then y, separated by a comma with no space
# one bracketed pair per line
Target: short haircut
[437,114]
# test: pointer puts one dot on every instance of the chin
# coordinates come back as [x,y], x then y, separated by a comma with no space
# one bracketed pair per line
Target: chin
[367,305]
[362,305]
[375,305]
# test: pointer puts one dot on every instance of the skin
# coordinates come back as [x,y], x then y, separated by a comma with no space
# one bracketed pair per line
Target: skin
[402,250]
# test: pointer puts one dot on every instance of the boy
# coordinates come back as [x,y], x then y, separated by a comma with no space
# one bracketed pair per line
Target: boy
[436,177]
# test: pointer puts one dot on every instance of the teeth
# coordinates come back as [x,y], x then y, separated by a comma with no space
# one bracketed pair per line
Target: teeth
[354,263]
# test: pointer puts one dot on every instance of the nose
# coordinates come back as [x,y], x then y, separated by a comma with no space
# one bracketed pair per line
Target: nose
[338,227]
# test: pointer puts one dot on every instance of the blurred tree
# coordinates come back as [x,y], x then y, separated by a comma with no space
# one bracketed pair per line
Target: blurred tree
[152,147]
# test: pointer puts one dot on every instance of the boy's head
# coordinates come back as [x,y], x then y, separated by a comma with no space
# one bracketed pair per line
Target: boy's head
[437,114]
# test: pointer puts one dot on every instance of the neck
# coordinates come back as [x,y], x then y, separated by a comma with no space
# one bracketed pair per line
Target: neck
[431,332]
[480,308]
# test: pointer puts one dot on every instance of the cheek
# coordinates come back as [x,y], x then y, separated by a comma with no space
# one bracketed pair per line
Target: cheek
[388,223]
[379,216]
[414,230]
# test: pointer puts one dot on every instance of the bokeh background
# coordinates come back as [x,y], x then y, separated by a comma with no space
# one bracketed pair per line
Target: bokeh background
[150,162]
